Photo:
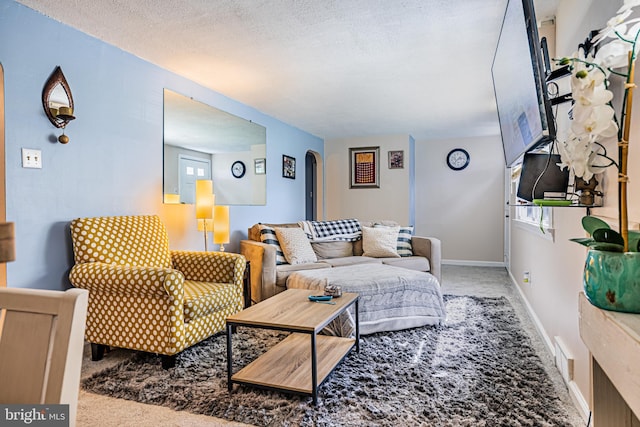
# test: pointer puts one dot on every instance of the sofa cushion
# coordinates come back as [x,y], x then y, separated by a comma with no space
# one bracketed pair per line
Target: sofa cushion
[418,263]
[404,241]
[253,232]
[351,260]
[283,271]
[404,247]
[203,298]
[268,236]
[357,246]
[295,245]
[337,249]
[380,242]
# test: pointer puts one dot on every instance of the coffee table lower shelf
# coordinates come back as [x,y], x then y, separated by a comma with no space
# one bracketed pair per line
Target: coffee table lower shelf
[287,366]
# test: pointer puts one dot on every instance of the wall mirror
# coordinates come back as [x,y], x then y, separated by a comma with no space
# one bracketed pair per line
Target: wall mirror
[57,100]
[203,142]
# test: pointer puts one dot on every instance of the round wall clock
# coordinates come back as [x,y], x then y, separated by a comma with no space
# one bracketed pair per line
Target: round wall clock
[458,159]
[238,169]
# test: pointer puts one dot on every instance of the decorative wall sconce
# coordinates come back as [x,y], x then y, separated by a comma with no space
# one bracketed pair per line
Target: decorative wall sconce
[57,102]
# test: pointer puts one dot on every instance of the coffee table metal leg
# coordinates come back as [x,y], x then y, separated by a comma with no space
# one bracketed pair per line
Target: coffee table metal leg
[357,328]
[229,356]
[314,369]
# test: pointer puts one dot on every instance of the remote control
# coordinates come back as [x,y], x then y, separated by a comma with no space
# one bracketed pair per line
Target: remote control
[320,297]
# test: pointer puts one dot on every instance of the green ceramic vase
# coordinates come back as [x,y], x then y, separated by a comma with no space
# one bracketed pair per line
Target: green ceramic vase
[612,280]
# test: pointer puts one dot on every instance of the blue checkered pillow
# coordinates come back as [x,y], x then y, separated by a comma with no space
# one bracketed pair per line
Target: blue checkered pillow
[404,241]
[268,236]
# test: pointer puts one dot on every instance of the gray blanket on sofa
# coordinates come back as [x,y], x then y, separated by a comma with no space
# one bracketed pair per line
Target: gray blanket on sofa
[391,298]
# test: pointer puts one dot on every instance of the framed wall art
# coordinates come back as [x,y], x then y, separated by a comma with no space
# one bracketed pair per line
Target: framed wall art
[396,159]
[288,167]
[260,166]
[364,167]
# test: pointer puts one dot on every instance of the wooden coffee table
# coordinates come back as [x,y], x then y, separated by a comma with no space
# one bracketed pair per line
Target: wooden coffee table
[303,360]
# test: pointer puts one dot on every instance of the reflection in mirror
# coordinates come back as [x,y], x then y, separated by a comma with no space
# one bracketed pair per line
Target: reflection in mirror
[203,142]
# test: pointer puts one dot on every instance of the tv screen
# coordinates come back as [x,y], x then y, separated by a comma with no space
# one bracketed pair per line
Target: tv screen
[524,110]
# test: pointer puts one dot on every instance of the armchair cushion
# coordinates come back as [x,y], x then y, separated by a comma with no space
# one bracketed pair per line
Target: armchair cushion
[204,298]
[122,240]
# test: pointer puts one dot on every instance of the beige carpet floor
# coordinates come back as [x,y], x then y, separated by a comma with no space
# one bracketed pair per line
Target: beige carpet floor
[97,410]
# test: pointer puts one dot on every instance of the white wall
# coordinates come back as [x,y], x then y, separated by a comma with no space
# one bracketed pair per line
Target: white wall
[462,208]
[392,201]
[556,265]
[248,190]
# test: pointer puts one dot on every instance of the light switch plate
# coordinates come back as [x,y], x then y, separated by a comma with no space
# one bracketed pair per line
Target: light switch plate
[31,158]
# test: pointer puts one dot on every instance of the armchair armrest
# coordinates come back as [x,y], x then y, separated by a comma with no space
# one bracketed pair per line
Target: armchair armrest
[431,248]
[127,280]
[219,267]
[263,268]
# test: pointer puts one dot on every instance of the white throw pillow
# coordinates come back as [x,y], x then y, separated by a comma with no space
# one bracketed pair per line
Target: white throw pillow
[295,245]
[380,242]
[404,239]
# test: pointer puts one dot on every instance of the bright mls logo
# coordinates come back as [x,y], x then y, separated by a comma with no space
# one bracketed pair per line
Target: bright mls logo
[34,415]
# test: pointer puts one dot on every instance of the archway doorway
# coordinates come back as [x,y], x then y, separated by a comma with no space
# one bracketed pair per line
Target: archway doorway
[312,186]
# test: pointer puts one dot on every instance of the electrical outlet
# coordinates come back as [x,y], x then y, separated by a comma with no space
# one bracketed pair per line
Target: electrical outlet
[31,158]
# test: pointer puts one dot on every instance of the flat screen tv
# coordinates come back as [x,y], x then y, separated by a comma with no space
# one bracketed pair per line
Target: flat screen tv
[524,109]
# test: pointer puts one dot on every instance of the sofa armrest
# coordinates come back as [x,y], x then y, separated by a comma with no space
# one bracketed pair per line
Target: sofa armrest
[127,280]
[430,248]
[263,268]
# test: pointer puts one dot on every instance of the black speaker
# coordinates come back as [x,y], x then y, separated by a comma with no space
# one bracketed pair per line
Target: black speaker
[541,174]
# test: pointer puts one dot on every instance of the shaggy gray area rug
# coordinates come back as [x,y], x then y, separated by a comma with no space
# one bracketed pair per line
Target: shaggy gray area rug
[478,369]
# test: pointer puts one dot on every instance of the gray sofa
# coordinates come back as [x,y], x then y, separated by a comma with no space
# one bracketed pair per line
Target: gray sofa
[268,278]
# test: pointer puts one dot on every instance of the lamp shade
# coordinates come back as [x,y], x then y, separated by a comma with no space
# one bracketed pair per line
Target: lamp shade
[204,199]
[221,224]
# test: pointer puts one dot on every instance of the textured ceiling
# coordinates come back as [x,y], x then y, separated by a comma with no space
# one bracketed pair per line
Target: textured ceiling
[335,68]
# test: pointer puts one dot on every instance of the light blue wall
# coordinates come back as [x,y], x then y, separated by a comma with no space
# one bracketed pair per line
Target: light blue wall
[412,180]
[113,164]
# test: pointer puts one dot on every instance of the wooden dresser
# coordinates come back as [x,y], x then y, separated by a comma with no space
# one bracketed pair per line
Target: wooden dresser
[613,340]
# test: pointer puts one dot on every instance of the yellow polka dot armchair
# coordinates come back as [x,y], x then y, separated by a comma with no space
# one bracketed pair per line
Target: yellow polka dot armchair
[144,296]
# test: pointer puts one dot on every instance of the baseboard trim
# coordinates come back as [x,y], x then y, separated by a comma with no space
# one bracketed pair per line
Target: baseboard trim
[576,395]
[579,400]
[473,263]
[536,321]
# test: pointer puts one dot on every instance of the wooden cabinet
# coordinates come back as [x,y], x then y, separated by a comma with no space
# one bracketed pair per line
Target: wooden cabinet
[613,340]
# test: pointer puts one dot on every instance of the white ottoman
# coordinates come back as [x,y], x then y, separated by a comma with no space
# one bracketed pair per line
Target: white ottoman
[391,298]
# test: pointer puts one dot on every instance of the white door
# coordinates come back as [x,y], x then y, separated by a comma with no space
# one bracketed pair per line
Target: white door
[191,169]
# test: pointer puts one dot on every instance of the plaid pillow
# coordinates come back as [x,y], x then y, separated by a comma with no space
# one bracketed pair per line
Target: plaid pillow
[268,236]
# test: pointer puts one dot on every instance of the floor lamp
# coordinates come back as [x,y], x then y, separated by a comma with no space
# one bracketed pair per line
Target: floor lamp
[221,226]
[204,207]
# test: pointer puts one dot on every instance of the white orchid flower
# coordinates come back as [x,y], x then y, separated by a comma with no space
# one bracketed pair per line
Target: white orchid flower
[597,121]
[614,54]
[575,153]
[593,117]
[628,4]
[614,25]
